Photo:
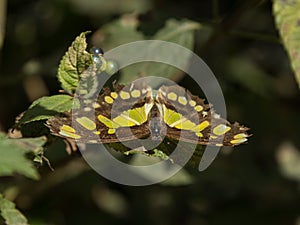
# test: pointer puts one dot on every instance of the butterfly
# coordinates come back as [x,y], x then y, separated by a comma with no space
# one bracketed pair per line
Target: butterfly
[136,111]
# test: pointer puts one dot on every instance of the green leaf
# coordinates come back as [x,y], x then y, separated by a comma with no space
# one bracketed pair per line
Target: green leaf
[28,144]
[89,80]
[287,19]
[10,214]
[75,61]
[156,153]
[13,159]
[179,32]
[46,107]
[246,73]
[124,30]
[118,32]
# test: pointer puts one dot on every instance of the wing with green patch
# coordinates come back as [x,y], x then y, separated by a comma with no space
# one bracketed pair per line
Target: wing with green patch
[189,119]
[120,114]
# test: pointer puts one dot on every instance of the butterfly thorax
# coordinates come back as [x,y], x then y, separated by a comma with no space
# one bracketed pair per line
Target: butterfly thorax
[156,125]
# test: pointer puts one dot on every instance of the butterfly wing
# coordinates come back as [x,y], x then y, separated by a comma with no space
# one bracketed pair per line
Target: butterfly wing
[120,114]
[189,119]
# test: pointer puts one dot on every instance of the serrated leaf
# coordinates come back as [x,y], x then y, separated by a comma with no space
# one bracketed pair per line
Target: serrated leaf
[89,82]
[10,214]
[287,20]
[13,160]
[75,61]
[29,144]
[46,107]
[179,32]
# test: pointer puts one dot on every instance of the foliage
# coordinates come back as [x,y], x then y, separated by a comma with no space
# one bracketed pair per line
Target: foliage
[13,158]
[46,107]
[77,64]
[288,23]
[11,215]
[74,63]
[237,39]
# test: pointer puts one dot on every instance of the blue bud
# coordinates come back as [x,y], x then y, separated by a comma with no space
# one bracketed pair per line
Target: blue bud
[96,51]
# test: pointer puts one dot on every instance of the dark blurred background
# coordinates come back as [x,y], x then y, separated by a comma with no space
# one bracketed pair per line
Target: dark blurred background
[256,183]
